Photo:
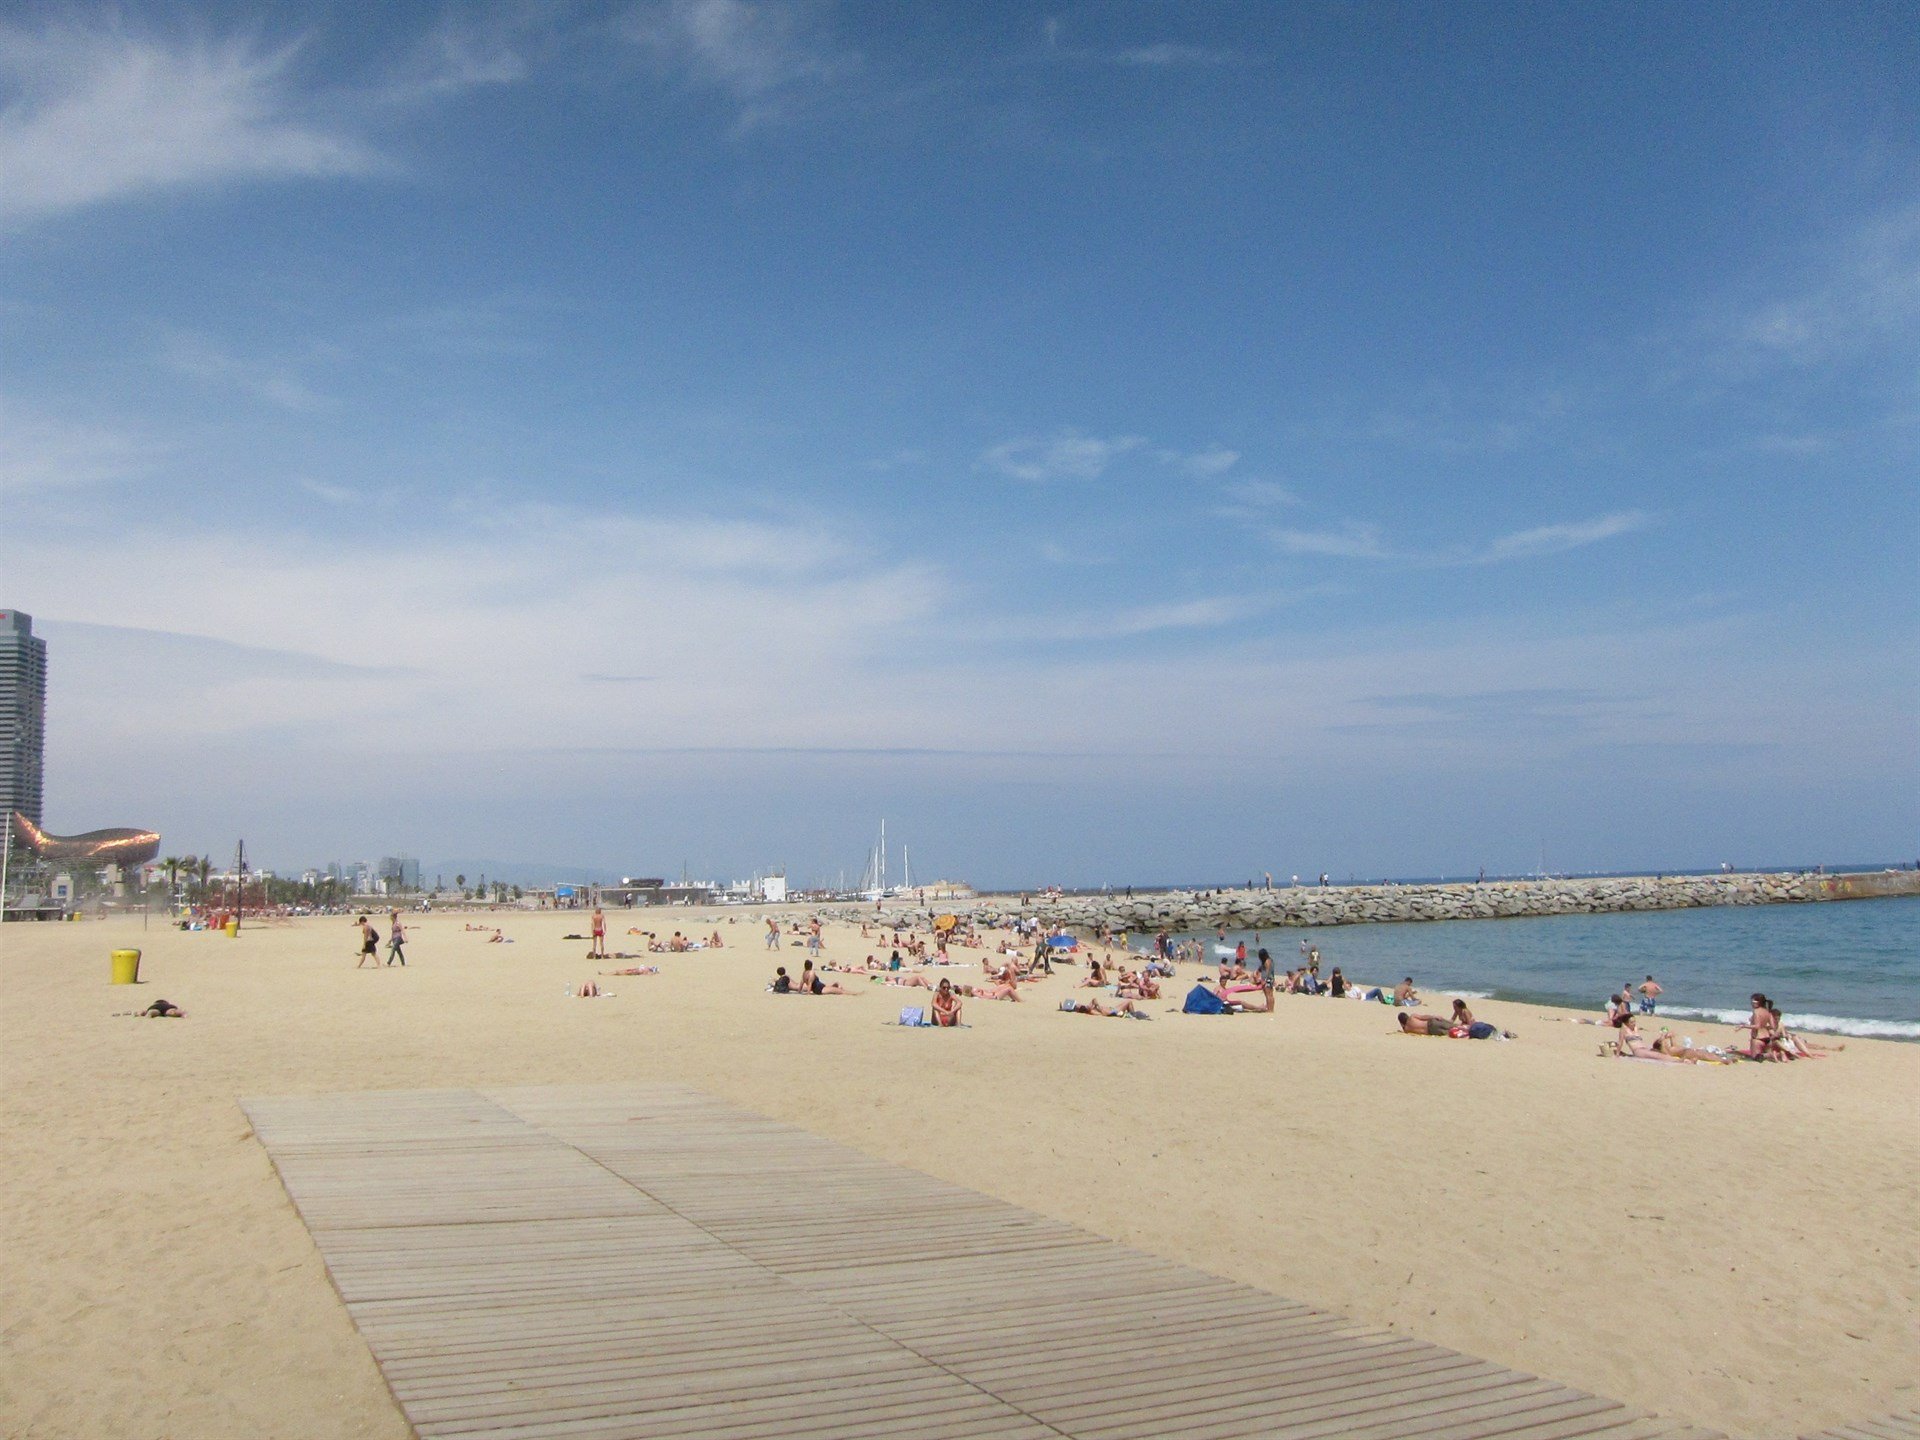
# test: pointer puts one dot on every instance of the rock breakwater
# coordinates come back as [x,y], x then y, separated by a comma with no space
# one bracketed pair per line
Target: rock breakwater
[1264,909]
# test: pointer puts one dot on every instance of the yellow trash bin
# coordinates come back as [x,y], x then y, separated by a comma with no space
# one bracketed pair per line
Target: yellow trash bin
[233,929]
[126,967]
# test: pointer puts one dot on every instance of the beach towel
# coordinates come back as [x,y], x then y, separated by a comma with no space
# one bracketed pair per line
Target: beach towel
[1202,1001]
[913,1015]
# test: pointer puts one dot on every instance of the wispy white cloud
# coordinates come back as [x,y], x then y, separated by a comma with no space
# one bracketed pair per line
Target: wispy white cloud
[1159,55]
[332,494]
[1201,464]
[1129,622]
[1166,54]
[1860,295]
[1357,540]
[763,54]
[199,357]
[1260,494]
[1351,541]
[1552,539]
[100,112]
[1064,455]
[41,453]
[464,51]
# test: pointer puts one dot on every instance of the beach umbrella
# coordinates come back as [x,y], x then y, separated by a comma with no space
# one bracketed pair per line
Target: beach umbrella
[1062,942]
[944,923]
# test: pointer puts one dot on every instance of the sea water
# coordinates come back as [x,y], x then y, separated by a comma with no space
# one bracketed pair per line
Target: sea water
[1844,967]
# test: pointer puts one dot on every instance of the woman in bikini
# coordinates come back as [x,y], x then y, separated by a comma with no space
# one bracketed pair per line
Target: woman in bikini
[946,1004]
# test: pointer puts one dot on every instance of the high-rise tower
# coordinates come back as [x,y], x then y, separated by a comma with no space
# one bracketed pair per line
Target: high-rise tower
[23,715]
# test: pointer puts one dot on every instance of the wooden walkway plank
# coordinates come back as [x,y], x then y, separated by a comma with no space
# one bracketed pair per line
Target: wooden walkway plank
[607,1262]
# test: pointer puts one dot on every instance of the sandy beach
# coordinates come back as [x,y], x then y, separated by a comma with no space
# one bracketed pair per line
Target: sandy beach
[1735,1246]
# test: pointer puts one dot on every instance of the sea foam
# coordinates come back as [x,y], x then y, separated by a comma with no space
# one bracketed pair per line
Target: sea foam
[1815,1024]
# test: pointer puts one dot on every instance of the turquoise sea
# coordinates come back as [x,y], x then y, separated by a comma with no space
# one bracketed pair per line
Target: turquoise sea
[1845,967]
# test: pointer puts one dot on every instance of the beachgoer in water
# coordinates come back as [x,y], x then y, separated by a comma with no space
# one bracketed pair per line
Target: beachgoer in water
[1649,995]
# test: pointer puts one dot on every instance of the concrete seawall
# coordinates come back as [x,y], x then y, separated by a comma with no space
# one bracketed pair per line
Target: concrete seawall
[1501,899]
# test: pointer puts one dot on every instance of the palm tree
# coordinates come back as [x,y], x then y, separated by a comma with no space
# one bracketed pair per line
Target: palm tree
[461,881]
[206,869]
[172,866]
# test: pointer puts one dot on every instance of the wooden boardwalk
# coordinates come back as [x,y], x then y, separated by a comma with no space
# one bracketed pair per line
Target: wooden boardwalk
[1904,1426]
[595,1263]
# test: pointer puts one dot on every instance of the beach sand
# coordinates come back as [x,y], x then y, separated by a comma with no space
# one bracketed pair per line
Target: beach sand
[1739,1247]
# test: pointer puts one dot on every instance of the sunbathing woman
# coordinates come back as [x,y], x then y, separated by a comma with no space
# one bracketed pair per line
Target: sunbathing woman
[1094,1007]
[946,1005]
[633,969]
[1096,977]
[1671,1045]
[996,990]
[812,984]
[1630,1044]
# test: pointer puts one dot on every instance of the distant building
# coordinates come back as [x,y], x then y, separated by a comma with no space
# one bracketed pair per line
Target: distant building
[23,716]
[399,874]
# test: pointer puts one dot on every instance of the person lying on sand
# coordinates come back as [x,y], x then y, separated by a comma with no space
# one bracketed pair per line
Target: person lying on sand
[590,991]
[498,939]
[1630,1044]
[1422,1024]
[159,1010]
[1094,1007]
[632,969]
[995,991]
[1678,1048]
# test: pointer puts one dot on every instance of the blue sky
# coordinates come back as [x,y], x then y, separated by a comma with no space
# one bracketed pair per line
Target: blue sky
[1115,443]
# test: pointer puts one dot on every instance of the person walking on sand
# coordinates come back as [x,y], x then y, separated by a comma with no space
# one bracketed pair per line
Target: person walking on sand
[369,944]
[598,949]
[1649,995]
[396,937]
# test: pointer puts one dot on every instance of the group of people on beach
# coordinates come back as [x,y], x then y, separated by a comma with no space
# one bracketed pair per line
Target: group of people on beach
[370,941]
